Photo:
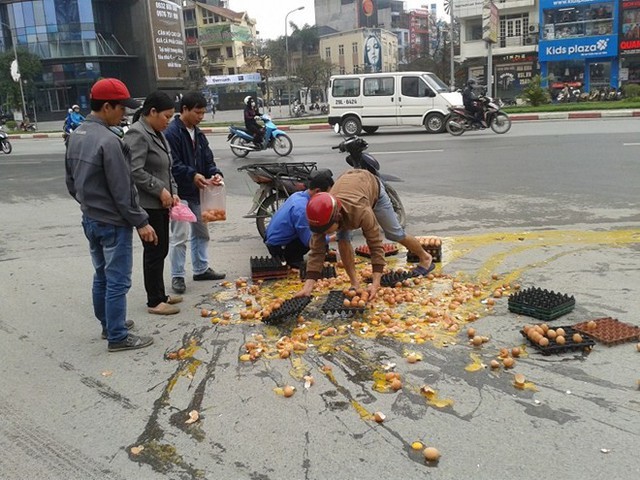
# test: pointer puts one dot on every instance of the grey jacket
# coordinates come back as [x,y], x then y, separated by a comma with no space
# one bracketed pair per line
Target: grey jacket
[98,175]
[150,163]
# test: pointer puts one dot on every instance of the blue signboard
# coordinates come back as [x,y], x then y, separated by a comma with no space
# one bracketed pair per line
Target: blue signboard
[577,48]
[568,3]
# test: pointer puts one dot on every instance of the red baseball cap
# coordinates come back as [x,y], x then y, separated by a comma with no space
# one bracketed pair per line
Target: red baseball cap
[113,89]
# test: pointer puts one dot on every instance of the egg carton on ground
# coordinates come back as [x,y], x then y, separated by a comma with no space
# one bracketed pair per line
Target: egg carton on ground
[266,275]
[328,271]
[389,249]
[267,264]
[335,304]
[289,309]
[541,304]
[610,331]
[586,344]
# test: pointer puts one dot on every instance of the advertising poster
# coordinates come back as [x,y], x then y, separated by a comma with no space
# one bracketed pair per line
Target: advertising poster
[367,13]
[490,22]
[630,26]
[372,51]
[167,39]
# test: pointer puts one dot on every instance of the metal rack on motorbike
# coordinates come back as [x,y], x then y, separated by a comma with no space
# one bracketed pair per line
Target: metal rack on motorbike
[276,182]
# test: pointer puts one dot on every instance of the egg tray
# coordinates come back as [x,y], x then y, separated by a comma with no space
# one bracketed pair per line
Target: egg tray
[328,271]
[435,252]
[541,304]
[389,249]
[392,278]
[267,264]
[289,309]
[273,275]
[610,331]
[586,344]
[335,304]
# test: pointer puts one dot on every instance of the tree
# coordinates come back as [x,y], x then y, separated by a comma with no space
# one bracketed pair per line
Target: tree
[314,72]
[30,71]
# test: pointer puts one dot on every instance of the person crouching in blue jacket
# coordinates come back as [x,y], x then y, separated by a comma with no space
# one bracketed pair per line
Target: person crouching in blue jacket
[288,232]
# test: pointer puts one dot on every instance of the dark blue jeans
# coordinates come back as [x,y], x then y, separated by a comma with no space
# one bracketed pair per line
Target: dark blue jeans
[112,257]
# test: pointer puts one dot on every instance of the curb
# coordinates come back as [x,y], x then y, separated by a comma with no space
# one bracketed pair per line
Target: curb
[517,117]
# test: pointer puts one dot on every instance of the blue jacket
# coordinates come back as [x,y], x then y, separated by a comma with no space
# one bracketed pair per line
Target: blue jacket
[189,158]
[290,221]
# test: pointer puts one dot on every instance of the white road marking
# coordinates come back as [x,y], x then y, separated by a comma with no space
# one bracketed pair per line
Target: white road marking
[407,151]
[630,144]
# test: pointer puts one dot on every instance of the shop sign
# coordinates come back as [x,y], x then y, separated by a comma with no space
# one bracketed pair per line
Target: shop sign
[545,4]
[576,48]
[167,39]
[230,79]
[630,27]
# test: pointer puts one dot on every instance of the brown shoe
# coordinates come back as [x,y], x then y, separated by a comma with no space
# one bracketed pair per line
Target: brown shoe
[163,309]
[173,299]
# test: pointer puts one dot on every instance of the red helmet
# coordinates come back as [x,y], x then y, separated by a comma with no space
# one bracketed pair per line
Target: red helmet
[322,211]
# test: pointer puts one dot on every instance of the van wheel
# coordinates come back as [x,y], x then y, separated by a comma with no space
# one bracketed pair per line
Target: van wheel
[434,123]
[370,130]
[351,126]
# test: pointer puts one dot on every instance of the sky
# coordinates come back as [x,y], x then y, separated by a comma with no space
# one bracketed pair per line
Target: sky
[270,14]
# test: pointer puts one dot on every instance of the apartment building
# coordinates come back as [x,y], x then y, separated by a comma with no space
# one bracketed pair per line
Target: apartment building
[366,50]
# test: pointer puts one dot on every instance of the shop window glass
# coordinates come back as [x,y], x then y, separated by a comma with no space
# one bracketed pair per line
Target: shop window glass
[18,18]
[27,13]
[571,72]
[38,13]
[86,11]
[579,21]
[49,12]
[474,30]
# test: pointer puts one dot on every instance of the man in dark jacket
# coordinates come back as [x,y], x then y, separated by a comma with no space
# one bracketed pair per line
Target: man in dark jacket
[98,176]
[193,169]
[472,101]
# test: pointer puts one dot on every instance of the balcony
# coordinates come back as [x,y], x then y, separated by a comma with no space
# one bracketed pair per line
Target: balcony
[475,9]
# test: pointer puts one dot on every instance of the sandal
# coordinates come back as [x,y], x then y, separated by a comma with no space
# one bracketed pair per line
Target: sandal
[420,271]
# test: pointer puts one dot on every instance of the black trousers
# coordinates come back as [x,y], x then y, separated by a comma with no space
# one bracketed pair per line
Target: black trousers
[153,257]
[293,252]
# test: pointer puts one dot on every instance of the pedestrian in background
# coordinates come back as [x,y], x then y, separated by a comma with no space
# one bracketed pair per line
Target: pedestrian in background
[98,176]
[151,171]
[193,168]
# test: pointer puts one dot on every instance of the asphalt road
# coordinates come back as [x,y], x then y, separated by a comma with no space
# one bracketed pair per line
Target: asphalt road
[551,204]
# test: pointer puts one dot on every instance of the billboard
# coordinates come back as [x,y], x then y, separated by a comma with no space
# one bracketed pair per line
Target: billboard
[630,26]
[224,33]
[579,47]
[490,22]
[372,50]
[167,39]
[367,13]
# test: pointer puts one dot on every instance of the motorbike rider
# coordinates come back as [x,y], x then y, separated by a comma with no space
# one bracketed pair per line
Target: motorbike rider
[250,113]
[472,103]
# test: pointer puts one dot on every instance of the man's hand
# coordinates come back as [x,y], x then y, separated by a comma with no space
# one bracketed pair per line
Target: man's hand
[166,198]
[217,179]
[148,234]
[200,181]
[375,285]
[306,289]
[176,200]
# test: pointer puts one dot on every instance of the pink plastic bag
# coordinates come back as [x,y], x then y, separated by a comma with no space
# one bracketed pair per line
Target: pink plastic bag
[182,213]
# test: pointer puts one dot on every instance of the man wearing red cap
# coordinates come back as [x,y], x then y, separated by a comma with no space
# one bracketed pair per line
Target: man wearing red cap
[98,176]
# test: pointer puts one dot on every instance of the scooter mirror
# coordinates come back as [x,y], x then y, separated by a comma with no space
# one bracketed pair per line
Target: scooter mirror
[336,127]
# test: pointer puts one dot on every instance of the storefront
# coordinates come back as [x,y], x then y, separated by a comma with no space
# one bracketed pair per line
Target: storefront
[511,73]
[629,36]
[579,44]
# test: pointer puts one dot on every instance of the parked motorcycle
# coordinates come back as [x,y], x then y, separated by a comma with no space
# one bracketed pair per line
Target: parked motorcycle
[242,141]
[298,109]
[358,158]
[460,120]
[5,144]
[276,182]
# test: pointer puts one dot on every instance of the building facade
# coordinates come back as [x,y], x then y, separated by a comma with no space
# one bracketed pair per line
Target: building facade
[365,50]
[79,41]
[579,43]
[515,54]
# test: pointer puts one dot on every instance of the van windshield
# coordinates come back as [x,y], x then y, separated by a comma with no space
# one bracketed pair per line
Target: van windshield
[434,82]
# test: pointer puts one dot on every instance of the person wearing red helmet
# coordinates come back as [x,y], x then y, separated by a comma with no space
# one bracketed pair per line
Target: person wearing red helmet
[349,206]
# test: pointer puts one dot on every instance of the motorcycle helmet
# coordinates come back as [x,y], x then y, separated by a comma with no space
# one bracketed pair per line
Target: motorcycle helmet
[248,99]
[75,107]
[472,82]
[322,211]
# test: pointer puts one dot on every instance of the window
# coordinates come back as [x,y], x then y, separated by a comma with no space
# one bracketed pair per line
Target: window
[378,87]
[208,17]
[354,48]
[474,30]
[415,87]
[346,87]
[229,52]
[341,50]
[579,21]
[343,70]
[327,53]
[356,69]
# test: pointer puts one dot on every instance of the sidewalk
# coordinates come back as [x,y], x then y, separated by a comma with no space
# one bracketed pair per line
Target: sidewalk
[53,129]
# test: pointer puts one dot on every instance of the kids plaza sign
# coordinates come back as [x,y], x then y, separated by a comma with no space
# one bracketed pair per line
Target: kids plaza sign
[576,48]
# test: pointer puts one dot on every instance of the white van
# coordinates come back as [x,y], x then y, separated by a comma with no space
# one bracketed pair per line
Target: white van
[370,100]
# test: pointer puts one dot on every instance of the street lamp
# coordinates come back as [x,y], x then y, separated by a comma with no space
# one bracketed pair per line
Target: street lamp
[14,40]
[286,47]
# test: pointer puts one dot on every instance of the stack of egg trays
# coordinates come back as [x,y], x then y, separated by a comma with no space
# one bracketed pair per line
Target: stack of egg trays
[268,268]
[335,304]
[541,304]
[389,249]
[586,344]
[328,271]
[435,252]
[610,331]
[289,309]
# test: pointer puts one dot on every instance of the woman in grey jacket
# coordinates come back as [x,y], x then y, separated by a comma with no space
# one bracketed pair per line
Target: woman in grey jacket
[151,172]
